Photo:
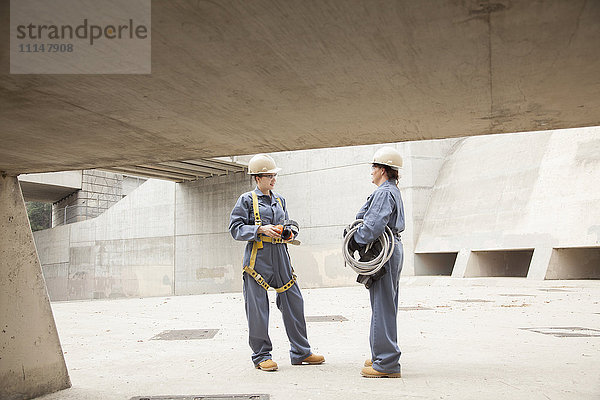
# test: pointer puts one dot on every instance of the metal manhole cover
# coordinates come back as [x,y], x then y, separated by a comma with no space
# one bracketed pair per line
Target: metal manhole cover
[326,318]
[186,334]
[473,301]
[569,331]
[211,397]
[414,308]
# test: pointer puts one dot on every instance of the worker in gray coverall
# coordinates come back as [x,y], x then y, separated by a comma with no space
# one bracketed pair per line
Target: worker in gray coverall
[383,207]
[257,218]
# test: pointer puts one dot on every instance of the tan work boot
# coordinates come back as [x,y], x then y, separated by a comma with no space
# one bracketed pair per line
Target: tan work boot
[368,363]
[370,372]
[267,365]
[313,359]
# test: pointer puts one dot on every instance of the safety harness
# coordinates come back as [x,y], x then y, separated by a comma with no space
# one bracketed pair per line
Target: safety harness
[258,244]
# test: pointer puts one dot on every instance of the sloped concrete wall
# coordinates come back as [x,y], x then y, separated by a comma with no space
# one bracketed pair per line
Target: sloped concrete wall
[519,191]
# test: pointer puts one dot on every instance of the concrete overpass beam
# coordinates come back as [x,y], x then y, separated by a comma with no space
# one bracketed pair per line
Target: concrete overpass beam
[31,359]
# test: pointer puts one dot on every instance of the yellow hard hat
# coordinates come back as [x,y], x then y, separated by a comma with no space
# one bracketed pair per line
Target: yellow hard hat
[388,156]
[262,164]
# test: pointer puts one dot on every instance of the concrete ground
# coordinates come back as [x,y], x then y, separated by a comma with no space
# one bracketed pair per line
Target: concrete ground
[460,338]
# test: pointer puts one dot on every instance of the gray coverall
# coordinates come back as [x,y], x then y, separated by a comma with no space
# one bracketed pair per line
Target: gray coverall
[273,263]
[384,207]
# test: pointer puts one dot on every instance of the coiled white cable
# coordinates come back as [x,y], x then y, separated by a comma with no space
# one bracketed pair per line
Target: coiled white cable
[368,267]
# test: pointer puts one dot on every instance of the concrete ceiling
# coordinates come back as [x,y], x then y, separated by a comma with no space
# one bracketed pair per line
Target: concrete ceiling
[181,171]
[239,77]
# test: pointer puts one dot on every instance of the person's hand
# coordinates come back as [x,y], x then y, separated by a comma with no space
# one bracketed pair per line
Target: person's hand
[269,230]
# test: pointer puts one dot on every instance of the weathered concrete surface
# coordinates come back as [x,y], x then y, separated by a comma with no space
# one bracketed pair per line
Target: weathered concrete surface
[126,252]
[239,77]
[31,358]
[450,349]
[519,191]
[188,245]
[529,192]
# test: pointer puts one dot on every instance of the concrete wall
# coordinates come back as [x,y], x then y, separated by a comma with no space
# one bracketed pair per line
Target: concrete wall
[480,206]
[324,189]
[520,191]
[207,258]
[127,251]
[191,250]
[100,190]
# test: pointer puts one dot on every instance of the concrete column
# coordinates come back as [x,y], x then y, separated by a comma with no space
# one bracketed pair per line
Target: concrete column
[460,266]
[31,358]
[539,263]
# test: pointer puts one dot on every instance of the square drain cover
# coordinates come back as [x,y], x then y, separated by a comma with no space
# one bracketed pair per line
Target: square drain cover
[569,331]
[186,334]
[414,308]
[207,397]
[326,318]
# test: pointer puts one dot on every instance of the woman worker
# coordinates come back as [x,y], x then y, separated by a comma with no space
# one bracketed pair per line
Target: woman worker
[383,207]
[267,264]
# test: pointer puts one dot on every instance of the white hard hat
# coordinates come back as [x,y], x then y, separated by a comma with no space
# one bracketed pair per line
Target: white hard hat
[262,164]
[388,156]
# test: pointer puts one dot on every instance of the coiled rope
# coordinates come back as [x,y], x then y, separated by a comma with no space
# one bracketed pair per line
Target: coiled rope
[368,267]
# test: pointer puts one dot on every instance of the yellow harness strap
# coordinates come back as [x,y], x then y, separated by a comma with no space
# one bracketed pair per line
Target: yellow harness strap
[257,221]
[258,244]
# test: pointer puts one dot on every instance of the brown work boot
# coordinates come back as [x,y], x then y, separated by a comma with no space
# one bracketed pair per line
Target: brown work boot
[313,359]
[368,363]
[370,372]
[267,365]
